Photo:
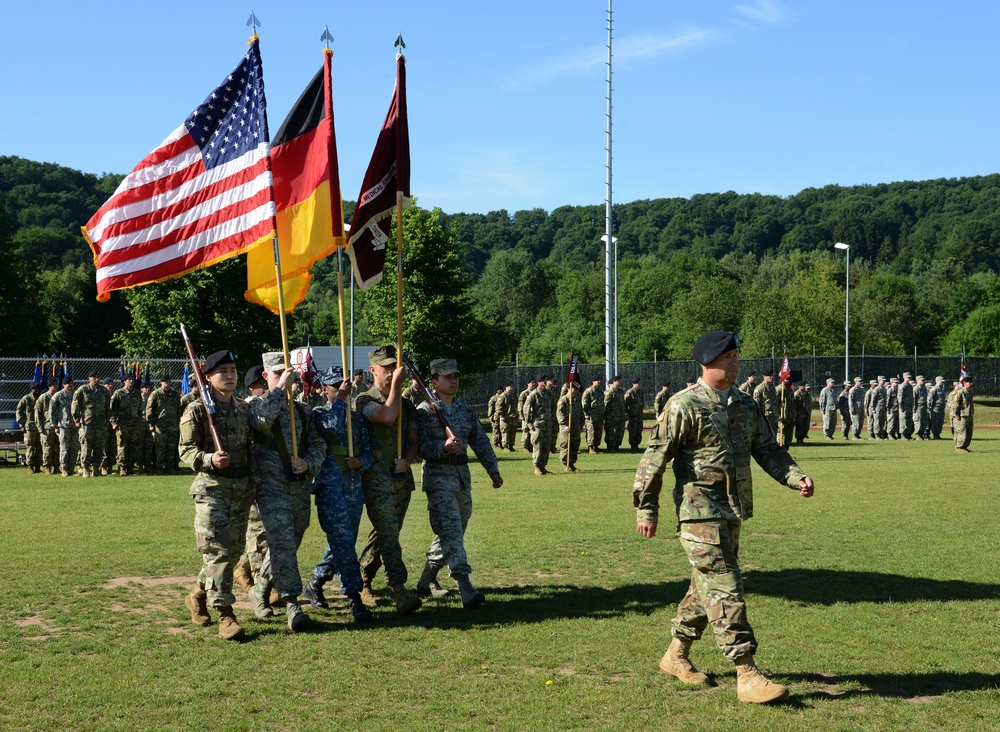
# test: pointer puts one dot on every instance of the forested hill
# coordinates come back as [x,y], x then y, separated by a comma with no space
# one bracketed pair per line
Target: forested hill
[924,264]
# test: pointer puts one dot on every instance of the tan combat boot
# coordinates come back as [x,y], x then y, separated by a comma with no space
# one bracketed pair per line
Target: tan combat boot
[405,602]
[368,596]
[752,686]
[676,663]
[428,584]
[229,627]
[196,602]
[243,578]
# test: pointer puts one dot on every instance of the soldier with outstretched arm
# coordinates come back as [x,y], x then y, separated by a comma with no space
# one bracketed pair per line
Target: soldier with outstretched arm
[710,431]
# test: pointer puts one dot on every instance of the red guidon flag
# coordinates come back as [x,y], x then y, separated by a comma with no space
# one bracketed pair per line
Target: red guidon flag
[785,372]
[573,378]
[387,177]
[307,197]
[202,196]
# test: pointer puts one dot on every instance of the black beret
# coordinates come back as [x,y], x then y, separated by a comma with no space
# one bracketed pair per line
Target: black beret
[540,378]
[254,375]
[94,373]
[109,380]
[359,372]
[146,385]
[127,377]
[36,384]
[665,383]
[769,372]
[752,373]
[217,359]
[713,344]
[635,380]
[165,377]
[616,377]
[967,378]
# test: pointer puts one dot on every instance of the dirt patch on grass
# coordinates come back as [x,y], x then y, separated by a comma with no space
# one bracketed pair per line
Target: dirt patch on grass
[922,699]
[35,623]
[118,582]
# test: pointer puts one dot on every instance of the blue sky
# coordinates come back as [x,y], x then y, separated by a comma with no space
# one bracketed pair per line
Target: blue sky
[507,100]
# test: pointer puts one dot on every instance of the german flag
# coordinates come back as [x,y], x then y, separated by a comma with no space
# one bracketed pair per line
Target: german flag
[306,196]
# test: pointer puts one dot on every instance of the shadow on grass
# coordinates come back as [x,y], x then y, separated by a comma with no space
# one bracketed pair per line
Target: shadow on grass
[912,686]
[829,586]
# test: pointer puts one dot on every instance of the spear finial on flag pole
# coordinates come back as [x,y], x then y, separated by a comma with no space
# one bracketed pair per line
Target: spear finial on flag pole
[399,43]
[252,23]
[326,37]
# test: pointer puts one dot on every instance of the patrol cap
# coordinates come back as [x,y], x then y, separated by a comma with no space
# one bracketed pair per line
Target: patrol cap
[217,359]
[444,367]
[938,378]
[907,373]
[881,378]
[920,378]
[384,356]
[254,375]
[713,344]
[857,380]
[333,376]
[872,382]
[830,381]
[893,380]
[847,383]
[273,361]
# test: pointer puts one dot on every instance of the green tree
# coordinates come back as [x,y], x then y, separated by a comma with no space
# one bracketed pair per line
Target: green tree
[978,334]
[438,316]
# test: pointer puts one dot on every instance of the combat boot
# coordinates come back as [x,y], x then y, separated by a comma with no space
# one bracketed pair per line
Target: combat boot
[229,627]
[314,593]
[405,602]
[297,620]
[752,686]
[85,473]
[675,662]
[259,596]
[197,603]
[243,578]
[428,584]
[539,471]
[368,596]
[471,597]
[359,612]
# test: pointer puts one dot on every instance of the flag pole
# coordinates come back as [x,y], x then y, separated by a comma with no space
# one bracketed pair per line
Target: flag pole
[343,348]
[399,276]
[253,24]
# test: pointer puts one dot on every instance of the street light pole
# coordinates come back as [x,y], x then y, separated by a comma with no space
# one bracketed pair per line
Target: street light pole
[847,310]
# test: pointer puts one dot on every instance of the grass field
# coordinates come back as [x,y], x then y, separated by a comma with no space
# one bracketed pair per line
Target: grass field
[876,600]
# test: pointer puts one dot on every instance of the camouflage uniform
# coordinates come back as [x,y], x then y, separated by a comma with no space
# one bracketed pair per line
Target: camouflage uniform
[539,418]
[633,415]
[614,417]
[660,401]
[47,434]
[256,538]
[710,442]
[284,504]
[904,397]
[222,496]
[25,414]
[339,496]
[126,419]
[880,403]
[803,414]
[554,395]
[935,407]
[747,387]
[448,482]
[387,493]
[892,412]
[493,414]
[828,408]
[593,411]
[962,410]
[61,417]
[522,400]
[569,443]
[146,452]
[856,400]
[508,419]
[111,441]
[786,414]
[844,407]
[91,407]
[921,417]
[766,397]
[163,416]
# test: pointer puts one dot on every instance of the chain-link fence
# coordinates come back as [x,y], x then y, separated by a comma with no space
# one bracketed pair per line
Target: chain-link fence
[815,371]
[16,375]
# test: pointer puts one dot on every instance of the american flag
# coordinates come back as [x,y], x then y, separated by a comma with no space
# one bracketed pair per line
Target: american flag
[202,196]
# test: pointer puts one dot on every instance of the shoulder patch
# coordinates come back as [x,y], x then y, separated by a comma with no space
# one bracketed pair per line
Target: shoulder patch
[187,416]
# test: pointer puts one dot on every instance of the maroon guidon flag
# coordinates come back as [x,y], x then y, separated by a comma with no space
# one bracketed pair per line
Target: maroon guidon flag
[387,177]
[202,196]
[573,378]
[785,372]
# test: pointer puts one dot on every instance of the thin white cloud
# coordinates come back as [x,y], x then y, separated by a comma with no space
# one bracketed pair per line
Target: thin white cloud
[764,11]
[644,46]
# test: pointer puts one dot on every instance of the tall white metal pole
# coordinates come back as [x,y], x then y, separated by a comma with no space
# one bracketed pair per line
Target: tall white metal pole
[847,311]
[610,267]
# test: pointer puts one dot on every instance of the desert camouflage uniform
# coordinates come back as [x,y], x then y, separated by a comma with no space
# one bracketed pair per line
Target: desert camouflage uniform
[569,443]
[46,433]
[91,410]
[387,493]
[61,417]
[162,417]
[766,397]
[284,504]
[614,417]
[448,482]
[222,496]
[633,415]
[126,418]
[593,411]
[339,496]
[710,442]
[25,415]
[539,418]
